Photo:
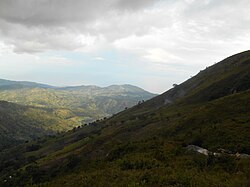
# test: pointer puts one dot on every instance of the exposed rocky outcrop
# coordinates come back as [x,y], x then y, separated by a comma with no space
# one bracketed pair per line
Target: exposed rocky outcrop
[219,153]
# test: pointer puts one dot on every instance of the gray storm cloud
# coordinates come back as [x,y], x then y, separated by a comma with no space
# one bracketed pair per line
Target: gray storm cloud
[33,26]
[56,12]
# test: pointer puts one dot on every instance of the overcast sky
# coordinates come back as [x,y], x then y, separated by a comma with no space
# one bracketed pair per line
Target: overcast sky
[148,43]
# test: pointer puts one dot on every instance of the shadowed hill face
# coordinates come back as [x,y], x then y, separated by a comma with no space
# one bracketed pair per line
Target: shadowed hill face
[145,145]
[20,123]
[16,125]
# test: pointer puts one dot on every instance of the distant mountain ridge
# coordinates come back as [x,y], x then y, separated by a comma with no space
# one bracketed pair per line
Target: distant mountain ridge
[5,84]
[8,84]
[104,101]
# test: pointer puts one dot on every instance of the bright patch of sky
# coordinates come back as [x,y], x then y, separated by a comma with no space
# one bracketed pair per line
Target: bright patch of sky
[149,43]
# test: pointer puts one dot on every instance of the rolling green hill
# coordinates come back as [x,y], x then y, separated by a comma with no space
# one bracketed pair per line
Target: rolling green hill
[146,145]
[94,102]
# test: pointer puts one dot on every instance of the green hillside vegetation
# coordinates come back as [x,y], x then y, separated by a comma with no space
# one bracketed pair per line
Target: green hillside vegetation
[146,145]
[92,102]
[22,123]
[45,110]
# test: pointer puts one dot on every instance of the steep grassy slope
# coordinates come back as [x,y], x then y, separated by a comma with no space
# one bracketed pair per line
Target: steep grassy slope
[145,145]
[229,76]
